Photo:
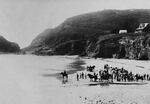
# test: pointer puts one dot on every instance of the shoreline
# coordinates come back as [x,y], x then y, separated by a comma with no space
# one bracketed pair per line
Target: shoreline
[75,66]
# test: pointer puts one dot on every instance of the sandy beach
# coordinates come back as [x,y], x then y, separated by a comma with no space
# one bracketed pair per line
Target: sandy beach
[35,80]
[116,93]
[127,93]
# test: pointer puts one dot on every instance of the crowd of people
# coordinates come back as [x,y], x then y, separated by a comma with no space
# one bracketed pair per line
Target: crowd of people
[117,74]
[108,73]
[112,74]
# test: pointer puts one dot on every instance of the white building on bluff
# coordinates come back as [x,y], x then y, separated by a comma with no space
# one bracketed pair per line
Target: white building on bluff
[122,31]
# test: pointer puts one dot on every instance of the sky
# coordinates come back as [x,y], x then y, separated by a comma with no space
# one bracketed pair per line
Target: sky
[22,20]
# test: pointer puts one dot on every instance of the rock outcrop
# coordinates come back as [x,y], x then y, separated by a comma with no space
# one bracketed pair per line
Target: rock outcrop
[131,46]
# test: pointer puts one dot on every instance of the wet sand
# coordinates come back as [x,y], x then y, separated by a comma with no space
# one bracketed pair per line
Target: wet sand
[76,66]
[71,68]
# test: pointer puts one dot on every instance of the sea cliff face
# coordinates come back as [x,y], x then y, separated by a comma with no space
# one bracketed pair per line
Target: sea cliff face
[97,35]
[131,46]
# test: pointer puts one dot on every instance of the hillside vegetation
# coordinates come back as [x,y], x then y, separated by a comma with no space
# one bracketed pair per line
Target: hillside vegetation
[7,46]
[96,35]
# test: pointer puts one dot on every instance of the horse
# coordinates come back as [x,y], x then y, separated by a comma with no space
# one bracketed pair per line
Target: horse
[64,74]
[107,77]
[90,68]
[139,77]
[92,77]
[65,77]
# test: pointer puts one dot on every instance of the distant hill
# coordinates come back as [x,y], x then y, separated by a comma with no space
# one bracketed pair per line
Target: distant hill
[7,46]
[82,34]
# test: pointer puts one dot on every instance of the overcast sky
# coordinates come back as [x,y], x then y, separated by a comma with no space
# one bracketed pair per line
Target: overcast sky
[22,20]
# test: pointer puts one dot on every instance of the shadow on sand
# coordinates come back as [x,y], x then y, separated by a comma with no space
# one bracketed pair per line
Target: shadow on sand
[117,83]
[72,68]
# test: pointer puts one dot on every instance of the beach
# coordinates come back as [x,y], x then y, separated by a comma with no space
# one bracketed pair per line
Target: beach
[29,79]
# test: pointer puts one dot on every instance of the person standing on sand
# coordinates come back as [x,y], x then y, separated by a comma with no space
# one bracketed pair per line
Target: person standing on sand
[147,76]
[85,76]
[82,75]
[77,77]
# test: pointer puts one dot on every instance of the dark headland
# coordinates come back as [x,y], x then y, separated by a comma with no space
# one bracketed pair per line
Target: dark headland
[8,47]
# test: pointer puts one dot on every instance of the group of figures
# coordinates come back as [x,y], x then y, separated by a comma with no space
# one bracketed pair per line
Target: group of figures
[81,76]
[109,74]
[117,74]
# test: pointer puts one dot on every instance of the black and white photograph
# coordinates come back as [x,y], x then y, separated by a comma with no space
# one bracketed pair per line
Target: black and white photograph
[74,51]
